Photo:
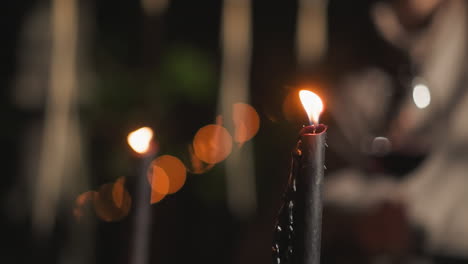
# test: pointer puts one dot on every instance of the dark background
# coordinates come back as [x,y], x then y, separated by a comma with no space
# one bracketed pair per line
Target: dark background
[139,64]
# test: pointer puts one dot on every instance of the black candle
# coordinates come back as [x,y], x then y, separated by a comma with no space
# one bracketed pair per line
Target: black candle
[298,230]
[308,213]
[141,141]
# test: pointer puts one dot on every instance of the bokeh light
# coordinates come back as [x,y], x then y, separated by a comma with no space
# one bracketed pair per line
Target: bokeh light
[156,196]
[381,146]
[212,144]
[159,182]
[173,169]
[81,203]
[140,139]
[421,96]
[119,192]
[193,164]
[105,206]
[246,122]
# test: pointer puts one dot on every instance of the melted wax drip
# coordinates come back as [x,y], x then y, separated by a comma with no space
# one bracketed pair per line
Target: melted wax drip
[284,229]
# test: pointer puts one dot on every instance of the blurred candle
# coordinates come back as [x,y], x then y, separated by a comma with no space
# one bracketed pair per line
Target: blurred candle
[140,141]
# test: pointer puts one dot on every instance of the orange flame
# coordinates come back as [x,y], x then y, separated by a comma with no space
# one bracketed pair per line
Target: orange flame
[313,105]
[140,139]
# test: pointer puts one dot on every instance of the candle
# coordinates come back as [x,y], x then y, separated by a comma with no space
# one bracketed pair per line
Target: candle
[140,141]
[298,230]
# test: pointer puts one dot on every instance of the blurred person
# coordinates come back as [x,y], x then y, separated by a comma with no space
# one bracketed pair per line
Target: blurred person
[405,192]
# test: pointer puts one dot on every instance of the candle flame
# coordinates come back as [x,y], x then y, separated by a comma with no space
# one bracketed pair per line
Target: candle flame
[312,105]
[140,139]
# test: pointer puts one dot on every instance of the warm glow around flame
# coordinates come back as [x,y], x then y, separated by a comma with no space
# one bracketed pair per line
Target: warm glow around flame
[312,104]
[140,139]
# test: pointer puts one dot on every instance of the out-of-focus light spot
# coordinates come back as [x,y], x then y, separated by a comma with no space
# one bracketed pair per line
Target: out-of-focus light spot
[312,105]
[421,96]
[119,192]
[381,146]
[246,122]
[194,164]
[212,144]
[140,139]
[159,182]
[81,203]
[174,170]
[106,208]
[156,196]
[85,197]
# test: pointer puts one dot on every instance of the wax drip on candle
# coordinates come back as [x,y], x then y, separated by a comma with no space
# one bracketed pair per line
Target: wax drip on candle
[297,235]
[284,232]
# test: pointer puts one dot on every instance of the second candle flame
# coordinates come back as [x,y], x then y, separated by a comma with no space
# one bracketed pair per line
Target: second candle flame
[312,105]
[140,139]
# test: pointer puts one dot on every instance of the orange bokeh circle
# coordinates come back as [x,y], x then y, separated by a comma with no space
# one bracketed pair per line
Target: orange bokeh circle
[105,204]
[168,168]
[212,144]
[159,182]
[246,122]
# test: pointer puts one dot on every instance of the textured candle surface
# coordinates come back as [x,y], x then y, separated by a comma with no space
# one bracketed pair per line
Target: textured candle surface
[298,229]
